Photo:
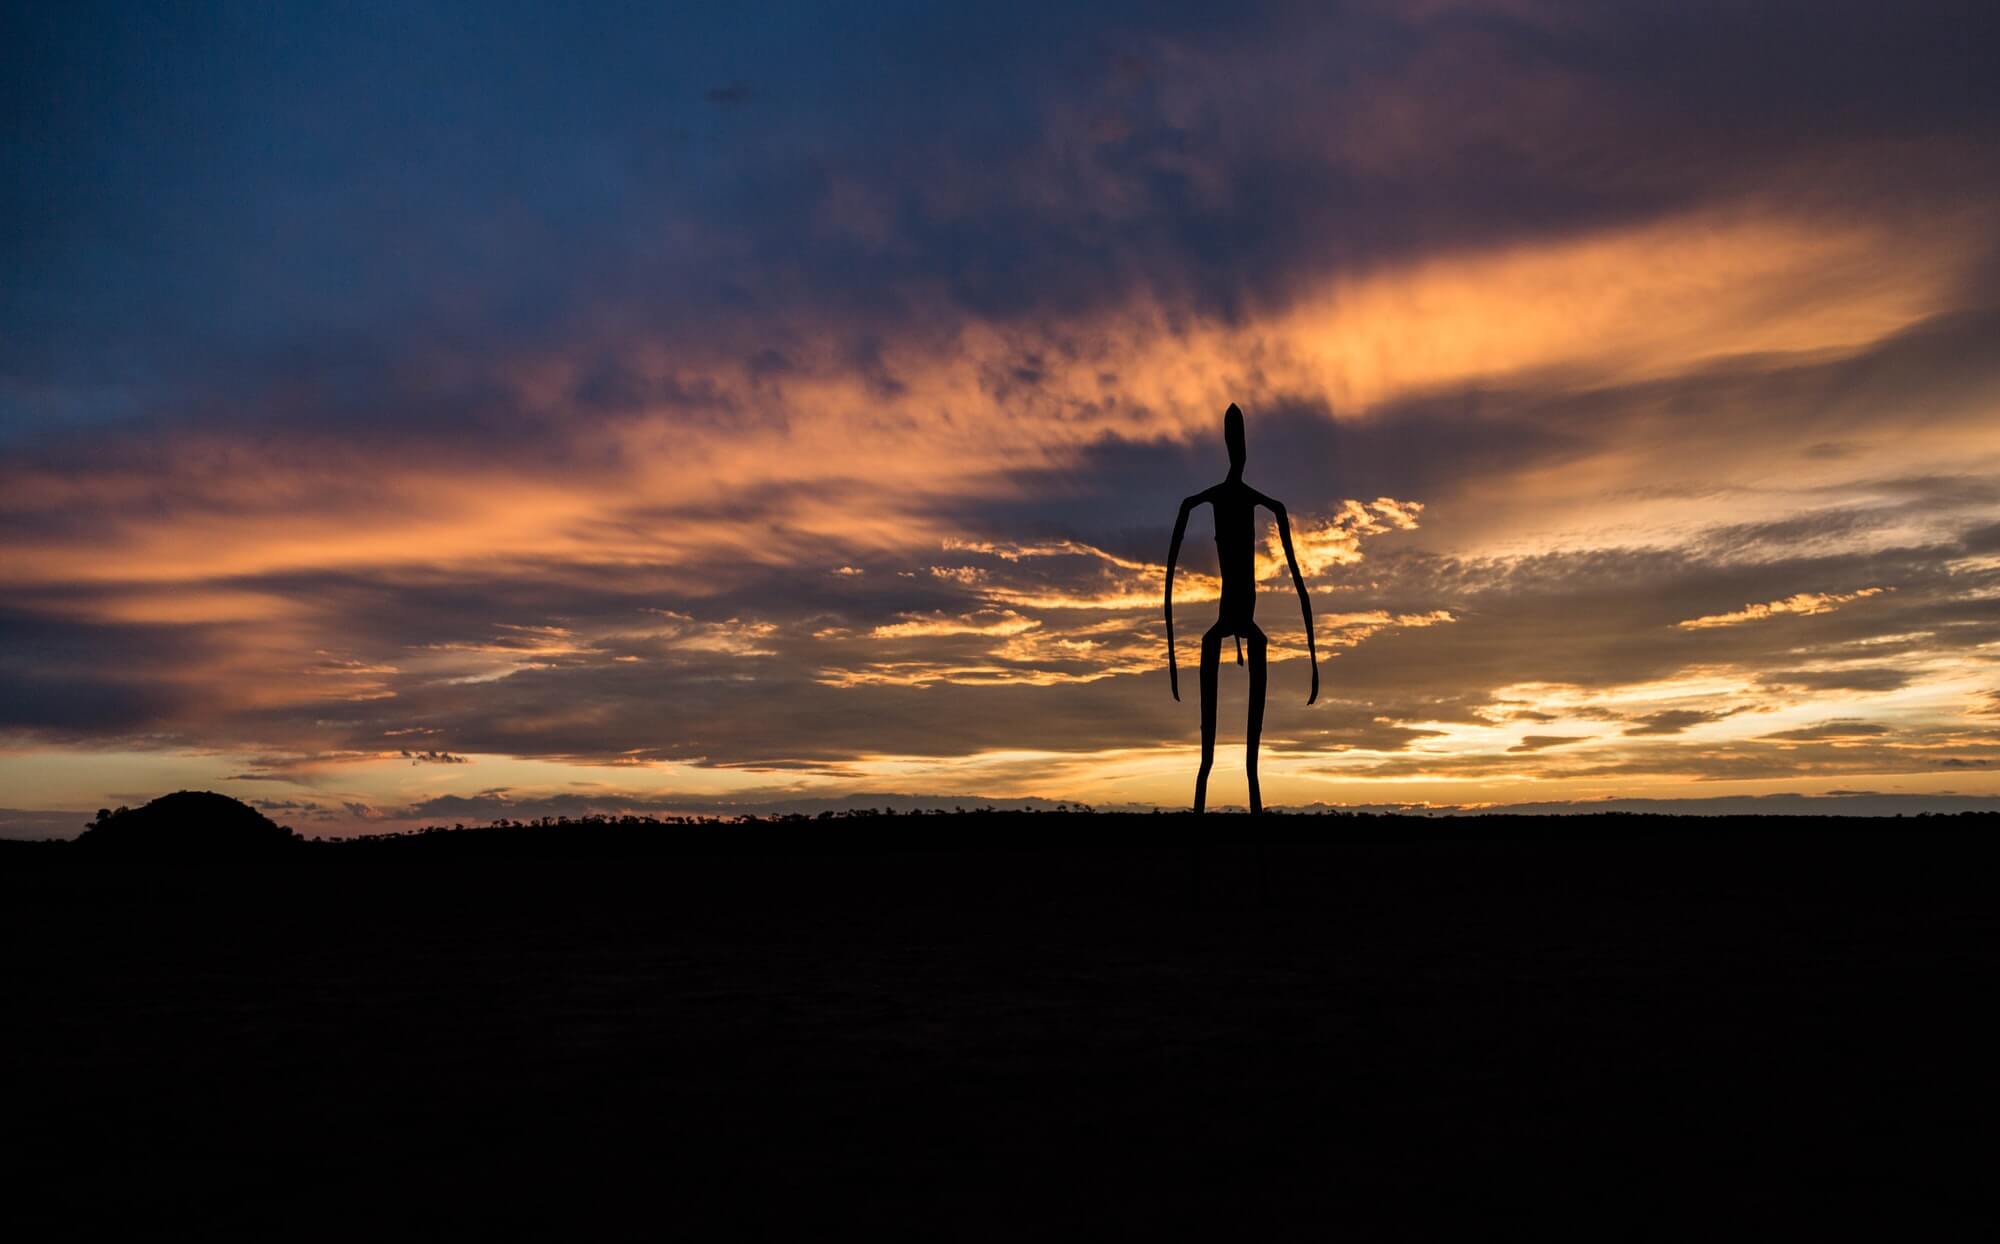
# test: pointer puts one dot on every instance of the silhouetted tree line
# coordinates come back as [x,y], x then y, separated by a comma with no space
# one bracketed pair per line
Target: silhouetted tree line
[1581,822]
[204,825]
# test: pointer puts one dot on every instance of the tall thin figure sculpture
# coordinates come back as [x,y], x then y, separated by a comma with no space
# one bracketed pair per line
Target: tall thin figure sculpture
[1235,505]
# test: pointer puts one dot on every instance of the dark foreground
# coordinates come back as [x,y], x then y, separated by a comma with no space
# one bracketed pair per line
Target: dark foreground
[1376,1028]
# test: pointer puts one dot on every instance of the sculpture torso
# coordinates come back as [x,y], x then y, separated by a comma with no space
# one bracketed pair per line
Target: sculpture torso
[1235,505]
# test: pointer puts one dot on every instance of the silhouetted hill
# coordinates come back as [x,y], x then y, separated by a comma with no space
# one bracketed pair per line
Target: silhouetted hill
[187,823]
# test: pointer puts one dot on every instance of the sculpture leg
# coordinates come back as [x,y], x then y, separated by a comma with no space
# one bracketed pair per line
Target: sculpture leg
[1211,662]
[1257,650]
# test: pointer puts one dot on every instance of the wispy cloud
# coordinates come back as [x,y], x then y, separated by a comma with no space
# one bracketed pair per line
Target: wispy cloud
[1806,603]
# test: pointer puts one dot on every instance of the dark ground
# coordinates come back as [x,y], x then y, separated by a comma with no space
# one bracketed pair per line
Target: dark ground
[1376,1028]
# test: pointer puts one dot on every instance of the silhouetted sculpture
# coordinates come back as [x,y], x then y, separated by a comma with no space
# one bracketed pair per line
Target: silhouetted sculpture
[1235,505]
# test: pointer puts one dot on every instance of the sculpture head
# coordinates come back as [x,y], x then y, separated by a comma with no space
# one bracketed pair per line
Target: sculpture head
[1232,435]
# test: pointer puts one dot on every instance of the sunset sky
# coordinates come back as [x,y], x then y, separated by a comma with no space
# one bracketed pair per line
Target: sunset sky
[415,412]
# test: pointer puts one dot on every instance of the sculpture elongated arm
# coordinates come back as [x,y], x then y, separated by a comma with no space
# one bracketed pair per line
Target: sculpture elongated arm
[1305,601]
[1173,555]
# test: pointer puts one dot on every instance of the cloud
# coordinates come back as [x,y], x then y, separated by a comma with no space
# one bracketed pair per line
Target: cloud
[302,809]
[1806,603]
[978,622]
[1677,720]
[1984,539]
[1538,742]
[1850,678]
[1831,730]
[40,823]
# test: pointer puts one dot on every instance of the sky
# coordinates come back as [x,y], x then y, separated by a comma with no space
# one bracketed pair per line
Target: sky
[419,412]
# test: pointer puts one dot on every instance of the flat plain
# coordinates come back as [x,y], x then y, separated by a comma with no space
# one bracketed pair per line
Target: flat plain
[994,1026]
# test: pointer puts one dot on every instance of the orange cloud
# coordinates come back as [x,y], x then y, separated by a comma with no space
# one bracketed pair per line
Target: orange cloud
[1802,603]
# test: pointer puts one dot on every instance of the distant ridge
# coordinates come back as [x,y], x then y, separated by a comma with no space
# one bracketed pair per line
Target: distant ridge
[42,823]
[1843,803]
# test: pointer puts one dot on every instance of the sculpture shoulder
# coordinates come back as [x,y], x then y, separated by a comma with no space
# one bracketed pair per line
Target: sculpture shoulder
[1238,495]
